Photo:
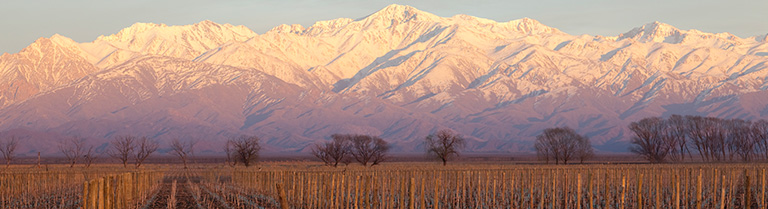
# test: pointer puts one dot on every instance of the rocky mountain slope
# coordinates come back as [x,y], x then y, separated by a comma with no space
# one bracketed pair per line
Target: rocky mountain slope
[400,73]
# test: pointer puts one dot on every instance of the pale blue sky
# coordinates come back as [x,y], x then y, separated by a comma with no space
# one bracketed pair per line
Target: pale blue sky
[23,21]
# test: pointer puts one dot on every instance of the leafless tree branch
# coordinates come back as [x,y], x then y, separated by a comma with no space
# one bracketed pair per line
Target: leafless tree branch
[144,149]
[183,150]
[122,148]
[72,149]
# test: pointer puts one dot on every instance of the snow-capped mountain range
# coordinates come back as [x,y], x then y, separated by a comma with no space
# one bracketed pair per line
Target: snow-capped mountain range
[399,73]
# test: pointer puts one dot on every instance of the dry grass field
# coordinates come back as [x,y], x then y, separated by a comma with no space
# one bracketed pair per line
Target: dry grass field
[390,185]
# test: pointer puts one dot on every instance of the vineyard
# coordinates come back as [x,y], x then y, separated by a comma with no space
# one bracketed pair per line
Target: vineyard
[392,185]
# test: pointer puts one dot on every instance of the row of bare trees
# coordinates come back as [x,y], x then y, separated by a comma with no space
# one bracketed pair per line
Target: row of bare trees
[563,144]
[136,150]
[75,149]
[343,148]
[680,138]
[124,148]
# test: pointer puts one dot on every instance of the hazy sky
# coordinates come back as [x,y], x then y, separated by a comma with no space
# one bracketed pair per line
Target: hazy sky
[23,21]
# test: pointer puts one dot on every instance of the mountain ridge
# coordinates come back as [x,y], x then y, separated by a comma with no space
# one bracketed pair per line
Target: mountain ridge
[400,73]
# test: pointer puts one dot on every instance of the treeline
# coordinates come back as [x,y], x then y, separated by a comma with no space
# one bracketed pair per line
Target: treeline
[367,150]
[136,150]
[681,138]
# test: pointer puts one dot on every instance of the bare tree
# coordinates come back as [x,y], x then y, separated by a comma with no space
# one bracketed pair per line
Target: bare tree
[648,141]
[695,132]
[183,149]
[760,133]
[122,148]
[245,149]
[560,144]
[369,149]
[144,148]
[89,156]
[585,150]
[72,149]
[229,150]
[710,137]
[544,150]
[444,144]
[741,140]
[334,152]
[8,148]
[676,137]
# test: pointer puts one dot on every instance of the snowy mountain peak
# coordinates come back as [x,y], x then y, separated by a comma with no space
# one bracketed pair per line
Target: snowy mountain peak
[182,41]
[62,40]
[664,33]
[394,14]
[284,28]
[207,25]
[126,33]
[530,26]
[654,32]
[42,43]
[203,27]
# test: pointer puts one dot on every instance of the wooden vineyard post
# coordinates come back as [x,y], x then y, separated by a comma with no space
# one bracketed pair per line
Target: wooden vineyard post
[687,182]
[698,191]
[493,195]
[553,191]
[111,191]
[357,192]
[677,190]
[435,196]
[589,192]
[100,193]
[658,191]
[422,200]
[85,199]
[366,193]
[93,194]
[566,191]
[478,197]
[762,190]
[623,190]
[541,192]
[608,194]
[105,193]
[512,190]
[333,190]
[503,188]
[722,193]
[348,202]
[731,189]
[530,189]
[281,196]
[578,191]
[640,191]
[748,193]
[412,194]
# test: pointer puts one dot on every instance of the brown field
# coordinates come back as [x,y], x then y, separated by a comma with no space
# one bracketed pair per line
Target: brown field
[465,184]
